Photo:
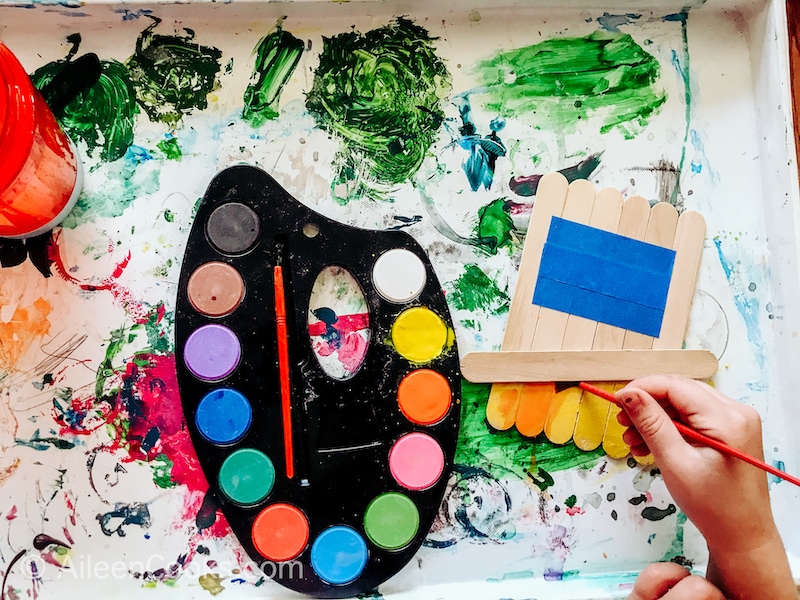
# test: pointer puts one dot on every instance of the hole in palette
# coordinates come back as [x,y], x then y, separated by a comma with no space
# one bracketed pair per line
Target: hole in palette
[319,379]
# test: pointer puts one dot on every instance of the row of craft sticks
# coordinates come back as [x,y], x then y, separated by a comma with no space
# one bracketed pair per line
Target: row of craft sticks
[569,414]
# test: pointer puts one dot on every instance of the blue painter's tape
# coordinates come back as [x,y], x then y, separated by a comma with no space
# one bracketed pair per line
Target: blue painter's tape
[601,275]
[601,308]
[339,554]
[223,416]
[604,277]
[615,247]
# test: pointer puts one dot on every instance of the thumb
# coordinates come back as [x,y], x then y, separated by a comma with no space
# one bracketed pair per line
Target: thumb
[652,422]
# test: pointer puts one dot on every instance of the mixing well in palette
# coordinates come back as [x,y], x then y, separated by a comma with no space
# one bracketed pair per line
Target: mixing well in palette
[320,379]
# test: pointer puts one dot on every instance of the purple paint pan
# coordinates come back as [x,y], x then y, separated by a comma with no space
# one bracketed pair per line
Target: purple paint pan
[212,352]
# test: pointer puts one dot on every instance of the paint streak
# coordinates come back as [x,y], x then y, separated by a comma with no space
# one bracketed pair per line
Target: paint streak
[746,303]
[380,95]
[172,74]
[102,116]
[477,507]
[564,82]
[528,185]
[559,543]
[277,56]
[474,290]
[483,151]
[652,513]
[495,226]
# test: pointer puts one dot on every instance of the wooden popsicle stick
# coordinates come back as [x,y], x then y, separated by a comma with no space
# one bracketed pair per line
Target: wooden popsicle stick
[632,224]
[552,324]
[590,415]
[534,404]
[591,365]
[552,327]
[660,231]
[688,247]
[502,408]
[580,333]
[523,314]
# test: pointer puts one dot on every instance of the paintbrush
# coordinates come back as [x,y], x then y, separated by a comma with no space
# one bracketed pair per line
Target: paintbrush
[282,335]
[703,439]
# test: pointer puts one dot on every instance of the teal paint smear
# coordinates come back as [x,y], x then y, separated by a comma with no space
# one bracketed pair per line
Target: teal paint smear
[102,116]
[474,290]
[564,82]
[125,180]
[380,95]
[483,151]
[503,452]
[172,74]
[681,65]
[676,550]
[748,307]
[495,226]
[277,56]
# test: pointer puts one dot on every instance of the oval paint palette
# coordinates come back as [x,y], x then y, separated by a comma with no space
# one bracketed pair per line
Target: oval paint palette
[320,382]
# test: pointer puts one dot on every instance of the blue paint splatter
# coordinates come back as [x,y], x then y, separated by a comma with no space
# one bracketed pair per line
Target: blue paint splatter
[700,161]
[483,151]
[137,155]
[778,464]
[748,307]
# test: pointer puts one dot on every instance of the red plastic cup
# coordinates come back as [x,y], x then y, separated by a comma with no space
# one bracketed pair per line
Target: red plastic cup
[40,170]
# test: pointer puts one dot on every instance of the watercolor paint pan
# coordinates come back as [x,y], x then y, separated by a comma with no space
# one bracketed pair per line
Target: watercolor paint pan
[369,371]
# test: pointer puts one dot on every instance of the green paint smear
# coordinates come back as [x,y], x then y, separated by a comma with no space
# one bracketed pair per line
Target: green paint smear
[474,290]
[571,501]
[102,116]
[277,56]
[161,466]
[564,81]
[170,148]
[495,226]
[501,452]
[380,93]
[172,74]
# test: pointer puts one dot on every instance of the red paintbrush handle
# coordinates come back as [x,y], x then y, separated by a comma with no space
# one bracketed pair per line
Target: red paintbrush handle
[701,438]
[283,369]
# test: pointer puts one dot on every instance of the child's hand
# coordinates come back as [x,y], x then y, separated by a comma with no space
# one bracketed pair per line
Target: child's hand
[727,499]
[668,581]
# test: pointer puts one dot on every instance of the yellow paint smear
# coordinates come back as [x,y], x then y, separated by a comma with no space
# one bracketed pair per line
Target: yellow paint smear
[612,438]
[560,423]
[501,409]
[420,335]
[592,417]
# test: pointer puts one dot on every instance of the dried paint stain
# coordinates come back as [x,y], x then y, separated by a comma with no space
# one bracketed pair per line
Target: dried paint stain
[102,116]
[380,95]
[474,290]
[277,55]
[172,74]
[563,82]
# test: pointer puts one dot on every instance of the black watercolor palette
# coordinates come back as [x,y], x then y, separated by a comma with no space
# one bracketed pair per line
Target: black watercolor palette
[328,454]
